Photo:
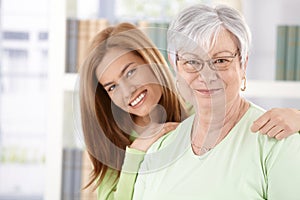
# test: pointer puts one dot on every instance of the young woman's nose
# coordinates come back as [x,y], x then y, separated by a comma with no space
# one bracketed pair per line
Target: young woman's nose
[127,89]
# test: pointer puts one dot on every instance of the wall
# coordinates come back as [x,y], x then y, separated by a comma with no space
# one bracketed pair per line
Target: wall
[263,17]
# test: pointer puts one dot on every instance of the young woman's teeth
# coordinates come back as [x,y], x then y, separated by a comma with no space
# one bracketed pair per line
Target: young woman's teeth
[138,99]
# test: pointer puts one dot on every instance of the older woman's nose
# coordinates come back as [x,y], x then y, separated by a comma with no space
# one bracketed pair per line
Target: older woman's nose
[207,74]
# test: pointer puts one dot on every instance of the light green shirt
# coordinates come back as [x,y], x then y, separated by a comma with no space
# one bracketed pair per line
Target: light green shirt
[244,165]
[122,188]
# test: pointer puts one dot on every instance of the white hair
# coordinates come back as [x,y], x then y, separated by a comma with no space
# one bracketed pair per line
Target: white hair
[201,24]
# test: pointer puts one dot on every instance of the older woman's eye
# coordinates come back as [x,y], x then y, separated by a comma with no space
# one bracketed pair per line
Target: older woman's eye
[193,62]
[221,60]
[222,63]
[130,72]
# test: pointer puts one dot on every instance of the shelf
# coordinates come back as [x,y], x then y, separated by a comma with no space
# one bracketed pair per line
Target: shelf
[273,89]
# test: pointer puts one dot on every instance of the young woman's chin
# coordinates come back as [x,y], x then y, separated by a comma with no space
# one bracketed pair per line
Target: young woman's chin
[141,113]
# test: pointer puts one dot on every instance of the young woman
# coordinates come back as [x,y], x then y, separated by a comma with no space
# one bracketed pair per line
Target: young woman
[128,100]
[119,103]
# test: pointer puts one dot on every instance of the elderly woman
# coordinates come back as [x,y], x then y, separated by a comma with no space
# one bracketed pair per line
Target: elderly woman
[212,154]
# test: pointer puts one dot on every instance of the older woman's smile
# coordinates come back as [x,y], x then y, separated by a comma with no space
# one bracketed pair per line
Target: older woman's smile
[209,91]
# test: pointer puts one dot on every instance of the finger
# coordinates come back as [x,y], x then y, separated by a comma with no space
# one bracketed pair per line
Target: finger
[172,124]
[159,130]
[284,134]
[151,131]
[274,131]
[281,135]
[260,122]
[267,127]
[169,127]
[255,127]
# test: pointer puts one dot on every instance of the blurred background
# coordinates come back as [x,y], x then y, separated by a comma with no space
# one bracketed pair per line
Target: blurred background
[36,88]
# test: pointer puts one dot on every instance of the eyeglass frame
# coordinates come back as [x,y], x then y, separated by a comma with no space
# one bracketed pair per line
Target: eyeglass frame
[209,62]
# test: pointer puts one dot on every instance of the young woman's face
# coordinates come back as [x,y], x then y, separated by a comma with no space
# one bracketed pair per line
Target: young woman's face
[129,81]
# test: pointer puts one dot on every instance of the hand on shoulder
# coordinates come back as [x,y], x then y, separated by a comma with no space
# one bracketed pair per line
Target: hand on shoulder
[278,123]
[152,134]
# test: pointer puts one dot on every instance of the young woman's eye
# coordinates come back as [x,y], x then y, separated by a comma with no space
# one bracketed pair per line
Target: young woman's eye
[130,73]
[111,88]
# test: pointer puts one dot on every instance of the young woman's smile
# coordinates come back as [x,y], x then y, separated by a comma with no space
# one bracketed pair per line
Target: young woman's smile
[138,100]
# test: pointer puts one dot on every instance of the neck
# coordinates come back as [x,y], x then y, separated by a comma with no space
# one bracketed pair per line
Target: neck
[212,126]
[141,121]
[156,116]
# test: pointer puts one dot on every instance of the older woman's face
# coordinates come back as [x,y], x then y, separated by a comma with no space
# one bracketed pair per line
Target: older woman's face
[129,81]
[218,84]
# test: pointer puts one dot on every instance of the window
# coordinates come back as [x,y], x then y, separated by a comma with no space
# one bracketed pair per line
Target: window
[162,10]
[11,54]
[156,10]
[43,35]
[23,93]
[10,35]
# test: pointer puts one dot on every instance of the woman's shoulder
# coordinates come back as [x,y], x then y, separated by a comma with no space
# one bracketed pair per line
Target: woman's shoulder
[160,142]
[251,115]
[256,109]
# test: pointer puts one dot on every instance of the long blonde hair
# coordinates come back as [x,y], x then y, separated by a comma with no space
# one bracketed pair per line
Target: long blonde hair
[105,140]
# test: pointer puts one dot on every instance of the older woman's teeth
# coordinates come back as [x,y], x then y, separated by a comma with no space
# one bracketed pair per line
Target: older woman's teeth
[138,99]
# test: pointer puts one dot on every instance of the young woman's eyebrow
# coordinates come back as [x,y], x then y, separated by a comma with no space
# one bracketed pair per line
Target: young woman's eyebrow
[107,84]
[121,74]
[125,68]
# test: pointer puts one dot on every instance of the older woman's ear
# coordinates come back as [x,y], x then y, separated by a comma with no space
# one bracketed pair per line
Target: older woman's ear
[245,64]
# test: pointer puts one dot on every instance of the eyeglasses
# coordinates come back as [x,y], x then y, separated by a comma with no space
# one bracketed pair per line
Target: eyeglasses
[192,65]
